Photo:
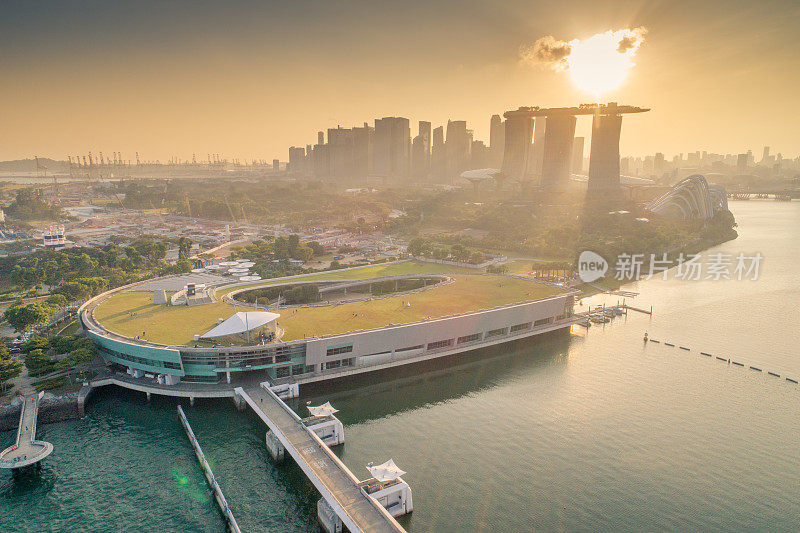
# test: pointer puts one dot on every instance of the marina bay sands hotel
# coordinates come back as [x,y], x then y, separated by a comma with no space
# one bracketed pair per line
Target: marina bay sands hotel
[538,143]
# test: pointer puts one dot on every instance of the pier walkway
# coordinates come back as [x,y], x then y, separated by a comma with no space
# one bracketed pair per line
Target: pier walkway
[339,487]
[27,450]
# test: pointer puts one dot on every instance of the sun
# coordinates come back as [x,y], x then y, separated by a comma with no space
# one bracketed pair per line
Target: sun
[601,63]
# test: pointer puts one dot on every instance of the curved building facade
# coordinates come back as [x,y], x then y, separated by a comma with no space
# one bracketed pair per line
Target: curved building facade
[691,198]
[330,356]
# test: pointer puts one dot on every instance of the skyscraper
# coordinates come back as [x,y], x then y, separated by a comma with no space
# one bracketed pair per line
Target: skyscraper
[604,154]
[497,139]
[557,151]
[438,155]
[577,155]
[421,151]
[392,147]
[518,135]
[340,152]
[457,147]
[533,169]
[362,151]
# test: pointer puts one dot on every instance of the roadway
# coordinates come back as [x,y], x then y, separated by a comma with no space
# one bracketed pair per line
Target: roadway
[26,450]
[339,487]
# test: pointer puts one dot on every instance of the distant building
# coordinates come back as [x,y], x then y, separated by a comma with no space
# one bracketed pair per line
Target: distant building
[741,162]
[276,165]
[362,151]
[297,160]
[340,152]
[535,160]
[438,155]
[577,155]
[517,146]
[557,155]
[497,139]
[457,147]
[392,148]
[421,151]
[479,155]
[604,156]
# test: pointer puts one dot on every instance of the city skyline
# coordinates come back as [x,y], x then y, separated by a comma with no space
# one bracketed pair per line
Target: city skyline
[251,81]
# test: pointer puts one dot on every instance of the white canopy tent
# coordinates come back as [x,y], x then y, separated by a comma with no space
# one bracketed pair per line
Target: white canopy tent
[387,471]
[322,410]
[241,322]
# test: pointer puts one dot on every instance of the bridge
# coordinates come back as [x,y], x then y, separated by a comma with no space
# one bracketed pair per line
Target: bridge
[26,450]
[346,501]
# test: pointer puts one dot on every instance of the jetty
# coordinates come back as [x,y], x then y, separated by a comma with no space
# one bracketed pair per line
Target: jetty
[26,450]
[370,505]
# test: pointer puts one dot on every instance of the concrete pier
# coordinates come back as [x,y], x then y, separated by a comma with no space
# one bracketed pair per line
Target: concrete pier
[345,503]
[26,450]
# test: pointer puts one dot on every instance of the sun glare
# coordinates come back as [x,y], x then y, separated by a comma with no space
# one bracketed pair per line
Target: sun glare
[600,63]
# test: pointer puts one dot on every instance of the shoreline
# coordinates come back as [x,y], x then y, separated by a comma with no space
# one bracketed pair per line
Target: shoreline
[52,408]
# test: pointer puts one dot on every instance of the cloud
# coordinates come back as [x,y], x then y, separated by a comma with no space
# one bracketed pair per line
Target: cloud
[548,51]
[551,52]
[631,39]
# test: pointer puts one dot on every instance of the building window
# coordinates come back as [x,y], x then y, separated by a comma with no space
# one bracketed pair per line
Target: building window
[339,350]
[470,338]
[309,369]
[520,327]
[282,372]
[417,347]
[298,369]
[495,332]
[542,322]
[440,344]
[560,317]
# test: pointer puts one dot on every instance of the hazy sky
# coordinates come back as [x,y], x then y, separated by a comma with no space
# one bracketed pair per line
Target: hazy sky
[249,79]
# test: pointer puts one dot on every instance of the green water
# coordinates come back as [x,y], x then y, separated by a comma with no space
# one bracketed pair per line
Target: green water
[591,432]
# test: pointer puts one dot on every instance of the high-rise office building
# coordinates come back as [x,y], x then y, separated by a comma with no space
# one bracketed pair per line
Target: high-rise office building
[362,151]
[340,152]
[421,151]
[392,147]
[297,157]
[438,155]
[479,155]
[497,139]
[457,147]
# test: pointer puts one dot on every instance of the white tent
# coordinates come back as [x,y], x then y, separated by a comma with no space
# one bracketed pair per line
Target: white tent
[322,410]
[387,471]
[241,322]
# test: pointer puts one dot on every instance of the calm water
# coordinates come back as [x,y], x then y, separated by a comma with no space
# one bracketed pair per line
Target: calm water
[590,432]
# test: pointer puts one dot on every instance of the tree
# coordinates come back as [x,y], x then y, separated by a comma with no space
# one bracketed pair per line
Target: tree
[9,369]
[184,247]
[21,317]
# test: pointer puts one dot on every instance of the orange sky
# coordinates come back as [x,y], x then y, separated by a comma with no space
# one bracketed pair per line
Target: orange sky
[248,80]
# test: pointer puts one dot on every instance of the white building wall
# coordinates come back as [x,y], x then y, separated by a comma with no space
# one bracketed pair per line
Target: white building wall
[375,345]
